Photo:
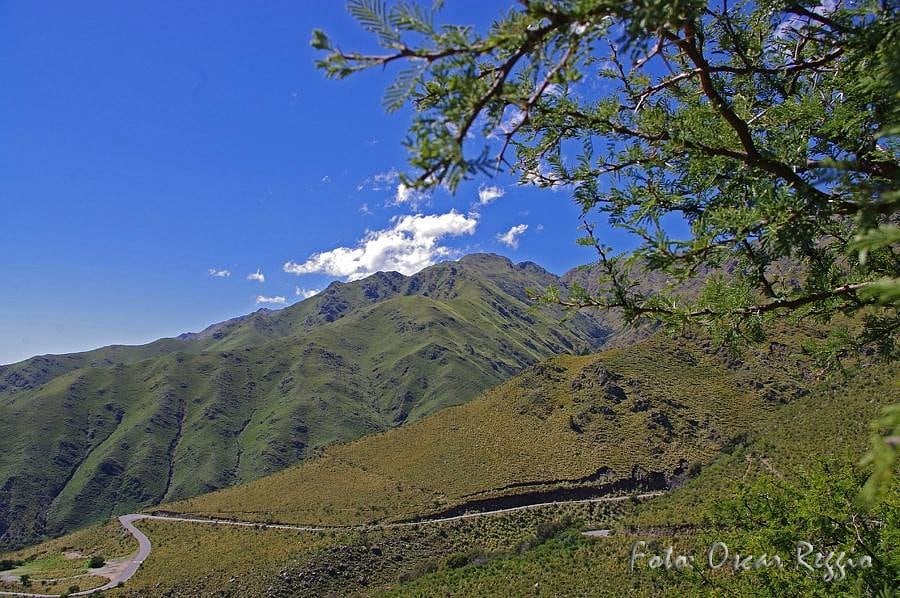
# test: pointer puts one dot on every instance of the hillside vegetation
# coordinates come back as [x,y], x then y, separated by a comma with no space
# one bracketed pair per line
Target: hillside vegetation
[831,422]
[117,429]
[667,412]
[641,417]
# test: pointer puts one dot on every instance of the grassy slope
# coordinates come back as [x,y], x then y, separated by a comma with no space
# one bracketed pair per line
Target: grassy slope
[198,559]
[523,432]
[67,559]
[637,415]
[831,421]
[180,417]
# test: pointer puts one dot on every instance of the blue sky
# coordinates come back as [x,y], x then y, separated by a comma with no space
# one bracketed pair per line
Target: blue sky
[148,144]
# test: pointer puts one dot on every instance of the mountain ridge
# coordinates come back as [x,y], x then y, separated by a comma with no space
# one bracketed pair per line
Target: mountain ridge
[121,427]
[211,329]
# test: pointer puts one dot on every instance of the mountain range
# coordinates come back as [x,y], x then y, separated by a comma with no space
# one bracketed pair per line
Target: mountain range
[116,429]
[434,434]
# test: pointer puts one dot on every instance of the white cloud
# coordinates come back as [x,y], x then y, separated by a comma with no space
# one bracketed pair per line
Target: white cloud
[257,276]
[543,176]
[511,237]
[410,196]
[488,194]
[509,123]
[364,209]
[277,300]
[326,179]
[382,181]
[306,293]
[410,244]
[219,273]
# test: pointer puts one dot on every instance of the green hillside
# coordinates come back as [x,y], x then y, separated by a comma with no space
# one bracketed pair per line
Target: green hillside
[116,429]
[665,413]
[830,422]
[669,413]
[640,417]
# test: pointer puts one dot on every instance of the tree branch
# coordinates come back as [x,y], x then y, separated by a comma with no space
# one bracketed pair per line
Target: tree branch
[847,290]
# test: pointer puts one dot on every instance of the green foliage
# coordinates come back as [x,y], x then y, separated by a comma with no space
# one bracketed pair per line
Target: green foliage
[96,561]
[547,530]
[771,128]
[767,516]
[882,455]
[771,516]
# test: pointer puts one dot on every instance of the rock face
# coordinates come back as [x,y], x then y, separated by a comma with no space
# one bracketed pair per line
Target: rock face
[86,435]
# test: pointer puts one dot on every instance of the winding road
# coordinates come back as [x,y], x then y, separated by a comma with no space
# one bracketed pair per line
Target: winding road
[126,569]
[130,566]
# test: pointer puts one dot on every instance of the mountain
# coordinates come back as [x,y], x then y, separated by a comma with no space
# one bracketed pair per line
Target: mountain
[119,428]
[635,418]
[674,414]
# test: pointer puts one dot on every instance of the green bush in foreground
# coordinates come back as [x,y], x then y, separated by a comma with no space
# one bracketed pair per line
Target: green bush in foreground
[820,512]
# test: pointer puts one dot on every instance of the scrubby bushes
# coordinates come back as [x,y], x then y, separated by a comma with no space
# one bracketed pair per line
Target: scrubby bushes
[550,529]
[458,560]
[7,564]
[96,561]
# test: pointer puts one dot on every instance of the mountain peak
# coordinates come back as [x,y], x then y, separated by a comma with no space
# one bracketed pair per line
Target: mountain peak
[485,258]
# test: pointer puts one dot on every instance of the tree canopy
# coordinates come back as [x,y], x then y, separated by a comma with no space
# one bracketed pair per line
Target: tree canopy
[770,128]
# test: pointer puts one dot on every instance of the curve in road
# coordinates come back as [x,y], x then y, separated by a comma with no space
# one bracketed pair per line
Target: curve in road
[127,572]
[144,546]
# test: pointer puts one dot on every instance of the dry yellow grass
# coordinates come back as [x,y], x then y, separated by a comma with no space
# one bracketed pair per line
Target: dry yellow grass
[215,558]
[519,433]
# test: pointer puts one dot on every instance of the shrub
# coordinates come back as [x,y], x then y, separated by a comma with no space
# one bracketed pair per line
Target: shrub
[7,564]
[423,568]
[96,561]
[550,529]
[458,560]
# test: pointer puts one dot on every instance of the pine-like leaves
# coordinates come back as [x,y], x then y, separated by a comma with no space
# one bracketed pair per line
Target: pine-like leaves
[373,16]
[412,17]
[401,89]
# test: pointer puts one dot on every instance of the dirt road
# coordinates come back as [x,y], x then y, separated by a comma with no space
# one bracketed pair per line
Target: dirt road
[122,571]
